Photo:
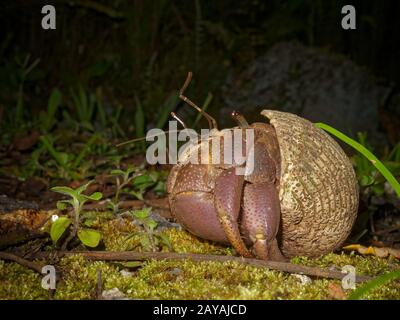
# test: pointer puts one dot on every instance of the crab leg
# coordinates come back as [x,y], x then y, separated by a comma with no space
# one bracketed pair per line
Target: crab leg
[261,218]
[227,197]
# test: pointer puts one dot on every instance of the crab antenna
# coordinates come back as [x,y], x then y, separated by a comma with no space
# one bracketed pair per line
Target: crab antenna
[173,115]
[211,121]
[239,118]
[143,138]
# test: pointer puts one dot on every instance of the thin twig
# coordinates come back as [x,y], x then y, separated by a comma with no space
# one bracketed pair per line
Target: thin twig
[99,285]
[272,265]
[23,262]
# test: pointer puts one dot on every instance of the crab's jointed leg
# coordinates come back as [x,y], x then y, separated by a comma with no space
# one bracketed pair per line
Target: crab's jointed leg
[261,205]
[227,198]
[261,219]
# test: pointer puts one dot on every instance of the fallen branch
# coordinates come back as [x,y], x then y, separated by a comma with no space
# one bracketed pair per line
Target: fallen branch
[23,262]
[272,265]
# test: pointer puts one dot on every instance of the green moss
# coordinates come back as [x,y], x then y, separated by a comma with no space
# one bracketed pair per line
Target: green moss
[115,233]
[79,277]
[17,282]
[187,279]
[184,242]
[365,265]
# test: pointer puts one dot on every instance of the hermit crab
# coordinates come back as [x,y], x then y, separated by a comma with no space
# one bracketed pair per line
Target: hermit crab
[300,198]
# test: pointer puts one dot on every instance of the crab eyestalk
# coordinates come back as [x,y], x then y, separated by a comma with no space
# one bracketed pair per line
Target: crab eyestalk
[212,123]
[173,115]
[240,119]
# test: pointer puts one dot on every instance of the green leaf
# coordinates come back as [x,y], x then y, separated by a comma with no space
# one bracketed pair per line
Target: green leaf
[165,240]
[111,205]
[377,282]
[366,180]
[64,158]
[138,195]
[94,196]
[54,102]
[83,187]
[151,224]
[378,189]
[366,153]
[169,105]
[142,214]
[127,176]
[62,204]
[143,181]
[139,119]
[65,190]
[145,242]
[90,222]
[160,188]
[117,172]
[89,237]
[393,166]
[85,150]
[48,119]
[58,228]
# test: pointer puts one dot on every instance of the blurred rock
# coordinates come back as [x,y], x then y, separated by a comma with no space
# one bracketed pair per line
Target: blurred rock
[114,294]
[314,84]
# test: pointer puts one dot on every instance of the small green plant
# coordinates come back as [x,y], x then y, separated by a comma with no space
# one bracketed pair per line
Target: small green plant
[85,107]
[108,121]
[163,114]
[142,183]
[165,109]
[375,283]
[47,119]
[372,175]
[26,69]
[69,165]
[369,179]
[122,179]
[90,113]
[89,237]
[150,239]
[368,175]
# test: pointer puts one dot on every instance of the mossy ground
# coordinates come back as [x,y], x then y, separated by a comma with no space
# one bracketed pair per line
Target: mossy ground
[186,279]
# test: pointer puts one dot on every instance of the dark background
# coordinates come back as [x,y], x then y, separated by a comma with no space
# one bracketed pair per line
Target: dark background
[146,48]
